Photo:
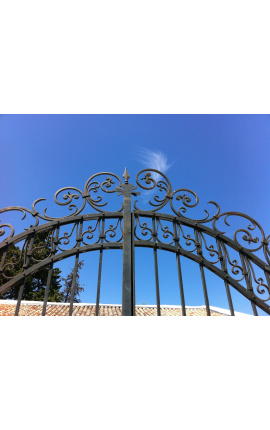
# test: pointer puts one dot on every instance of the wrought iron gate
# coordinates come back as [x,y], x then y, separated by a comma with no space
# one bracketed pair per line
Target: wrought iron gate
[174,232]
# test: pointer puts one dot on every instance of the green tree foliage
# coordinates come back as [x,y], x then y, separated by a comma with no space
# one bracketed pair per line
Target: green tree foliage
[35,285]
[68,283]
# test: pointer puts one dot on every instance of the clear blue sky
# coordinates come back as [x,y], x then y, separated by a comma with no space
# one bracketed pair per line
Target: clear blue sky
[224,158]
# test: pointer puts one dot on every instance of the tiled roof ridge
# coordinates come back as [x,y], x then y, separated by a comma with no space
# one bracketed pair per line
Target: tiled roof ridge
[29,302]
[110,306]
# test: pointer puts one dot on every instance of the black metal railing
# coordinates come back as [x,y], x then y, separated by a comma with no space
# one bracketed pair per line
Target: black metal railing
[237,260]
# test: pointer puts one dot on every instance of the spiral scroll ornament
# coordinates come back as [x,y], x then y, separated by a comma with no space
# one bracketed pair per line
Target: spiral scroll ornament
[204,238]
[159,186]
[74,199]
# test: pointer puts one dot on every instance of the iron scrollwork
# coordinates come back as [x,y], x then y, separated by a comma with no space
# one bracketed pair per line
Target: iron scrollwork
[190,200]
[149,180]
[68,195]
[248,239]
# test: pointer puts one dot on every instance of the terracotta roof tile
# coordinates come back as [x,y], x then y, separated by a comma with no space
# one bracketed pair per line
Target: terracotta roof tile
[7,308]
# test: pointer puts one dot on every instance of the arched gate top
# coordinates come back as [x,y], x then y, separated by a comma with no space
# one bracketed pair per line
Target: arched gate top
[249,241]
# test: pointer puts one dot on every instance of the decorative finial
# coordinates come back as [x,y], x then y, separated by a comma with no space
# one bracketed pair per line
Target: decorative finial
[126,176]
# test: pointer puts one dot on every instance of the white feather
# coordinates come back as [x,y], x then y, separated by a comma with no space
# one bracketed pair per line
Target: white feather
[154,160]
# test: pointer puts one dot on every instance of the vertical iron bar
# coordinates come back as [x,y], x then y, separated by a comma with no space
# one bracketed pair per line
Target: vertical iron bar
[205,291]
[267,277]
[75,270]
[156,265]
[255,312]
[19,298]
[28,251]
[181,284]
[248,282]
[199,252]
[157,281]
[3,259]
[223,267]
[49,277]
[3,262]
[128,249]
[254,307]
[180,279]
[100,265]
[133,262]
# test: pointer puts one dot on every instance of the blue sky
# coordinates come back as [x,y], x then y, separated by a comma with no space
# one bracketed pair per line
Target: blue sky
[223,158]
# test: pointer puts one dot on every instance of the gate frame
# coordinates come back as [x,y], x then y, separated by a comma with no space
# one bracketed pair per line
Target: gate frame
[129,218]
